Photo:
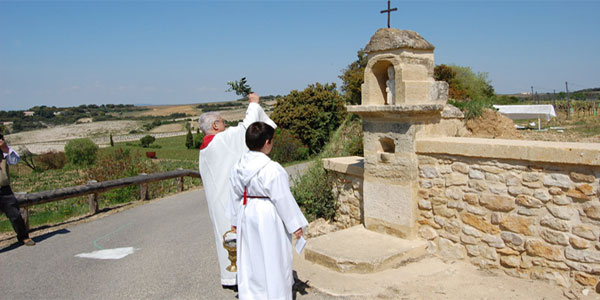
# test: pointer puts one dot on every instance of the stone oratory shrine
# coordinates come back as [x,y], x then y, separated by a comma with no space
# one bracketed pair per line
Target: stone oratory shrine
[423,188]
[400,100]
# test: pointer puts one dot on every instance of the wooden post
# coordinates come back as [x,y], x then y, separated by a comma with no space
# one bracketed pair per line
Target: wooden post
[143,190]
[93,200]
[180,181]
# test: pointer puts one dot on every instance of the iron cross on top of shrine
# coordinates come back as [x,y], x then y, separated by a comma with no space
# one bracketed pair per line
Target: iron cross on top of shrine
[388,11]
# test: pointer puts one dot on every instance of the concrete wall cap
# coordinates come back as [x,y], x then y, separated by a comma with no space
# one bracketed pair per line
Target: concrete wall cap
[537,151]
[351,165]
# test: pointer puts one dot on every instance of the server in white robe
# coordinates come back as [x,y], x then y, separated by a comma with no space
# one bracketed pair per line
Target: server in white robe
[265,214]
[221,148]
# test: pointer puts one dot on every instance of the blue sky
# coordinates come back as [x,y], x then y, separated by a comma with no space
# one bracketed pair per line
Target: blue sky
[175,52]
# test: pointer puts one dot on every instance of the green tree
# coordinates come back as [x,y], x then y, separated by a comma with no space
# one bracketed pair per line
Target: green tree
[198,138]
[147,140]
[189,139]
[353,77]
[81,152]
[447,74]
[311,114]
[473,85]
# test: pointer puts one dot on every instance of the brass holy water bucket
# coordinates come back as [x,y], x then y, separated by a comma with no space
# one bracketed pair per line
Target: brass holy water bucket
[230,246]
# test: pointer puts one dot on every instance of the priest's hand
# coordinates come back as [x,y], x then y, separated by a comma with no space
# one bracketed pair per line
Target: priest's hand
[298,233]
[234,229]
[253,98]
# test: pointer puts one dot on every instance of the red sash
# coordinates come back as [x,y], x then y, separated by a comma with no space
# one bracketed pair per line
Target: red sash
[246,196]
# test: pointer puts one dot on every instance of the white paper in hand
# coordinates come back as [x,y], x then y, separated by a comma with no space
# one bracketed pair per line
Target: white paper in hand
[300,243]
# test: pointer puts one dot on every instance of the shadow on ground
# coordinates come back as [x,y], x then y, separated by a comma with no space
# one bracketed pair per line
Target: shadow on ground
[36,239]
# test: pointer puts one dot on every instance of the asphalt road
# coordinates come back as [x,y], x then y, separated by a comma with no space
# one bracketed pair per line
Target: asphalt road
[174,257]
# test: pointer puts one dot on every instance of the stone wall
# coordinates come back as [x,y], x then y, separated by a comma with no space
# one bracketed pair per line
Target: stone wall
[347,174]
[530,217]
[348,192]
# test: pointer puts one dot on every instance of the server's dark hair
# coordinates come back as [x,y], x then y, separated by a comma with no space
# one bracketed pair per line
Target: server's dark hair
[257,134]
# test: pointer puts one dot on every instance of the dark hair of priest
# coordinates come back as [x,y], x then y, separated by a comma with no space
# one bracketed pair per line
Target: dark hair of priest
[257,134]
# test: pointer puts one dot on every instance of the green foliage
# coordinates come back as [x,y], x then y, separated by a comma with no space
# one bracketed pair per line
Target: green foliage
[474,108]
[206,107]
[287,147]
[447,74]
[120,164]
[198,138]
[147,140]
[241,88]
[353,77]
[312,114]
[189,139]
[470,92]
[81,152]
[171,148]
[314,193]
[153,124]
[347,140]
[313,189]
[473,85]
[506,100]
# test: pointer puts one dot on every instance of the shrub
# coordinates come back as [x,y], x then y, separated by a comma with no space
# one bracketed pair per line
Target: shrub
[81,152]
[314,193]
[120,164]
[312,114]
[147,140]
[52,160]
[198,138]
[287,148]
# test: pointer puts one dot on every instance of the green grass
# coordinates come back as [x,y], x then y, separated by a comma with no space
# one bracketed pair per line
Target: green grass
[172,155]
[170,148]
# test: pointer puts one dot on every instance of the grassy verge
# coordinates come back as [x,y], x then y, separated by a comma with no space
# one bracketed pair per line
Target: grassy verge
[171,155]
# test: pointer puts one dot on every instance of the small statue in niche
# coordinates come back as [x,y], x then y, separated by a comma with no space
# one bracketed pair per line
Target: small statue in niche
[390,85]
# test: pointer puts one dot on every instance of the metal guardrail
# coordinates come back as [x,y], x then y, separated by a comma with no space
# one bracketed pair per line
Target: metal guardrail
[94,188]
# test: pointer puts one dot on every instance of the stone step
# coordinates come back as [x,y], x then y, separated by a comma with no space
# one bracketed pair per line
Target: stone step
[358,250]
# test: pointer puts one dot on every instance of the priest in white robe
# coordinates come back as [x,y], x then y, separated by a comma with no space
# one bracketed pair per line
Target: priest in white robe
[265,214]
[221,148]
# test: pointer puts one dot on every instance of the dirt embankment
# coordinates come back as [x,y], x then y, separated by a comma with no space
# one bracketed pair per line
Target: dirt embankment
[492,124]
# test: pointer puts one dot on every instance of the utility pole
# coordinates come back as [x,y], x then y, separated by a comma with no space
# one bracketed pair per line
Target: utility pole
[554,100]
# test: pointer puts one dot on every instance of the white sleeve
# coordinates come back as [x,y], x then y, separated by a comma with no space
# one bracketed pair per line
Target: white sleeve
[255,113]
[233,205]
[285,204]
[12,158]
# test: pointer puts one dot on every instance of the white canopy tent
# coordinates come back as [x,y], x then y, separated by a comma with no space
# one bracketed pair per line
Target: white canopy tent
[525,112]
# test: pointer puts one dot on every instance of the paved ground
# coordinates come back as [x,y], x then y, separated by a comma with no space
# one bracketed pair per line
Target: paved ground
[174,257]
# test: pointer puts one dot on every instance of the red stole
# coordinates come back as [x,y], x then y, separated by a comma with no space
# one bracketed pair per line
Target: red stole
[206,140]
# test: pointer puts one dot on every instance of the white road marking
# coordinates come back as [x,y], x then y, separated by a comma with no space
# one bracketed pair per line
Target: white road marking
[116,253]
